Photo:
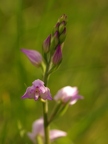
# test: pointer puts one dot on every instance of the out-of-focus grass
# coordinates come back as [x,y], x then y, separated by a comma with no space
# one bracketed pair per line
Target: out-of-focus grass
[26,24]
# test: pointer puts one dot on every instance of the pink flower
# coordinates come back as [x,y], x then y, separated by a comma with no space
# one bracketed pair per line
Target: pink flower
[38,129]
[34,56]
[37,90]
[68,94]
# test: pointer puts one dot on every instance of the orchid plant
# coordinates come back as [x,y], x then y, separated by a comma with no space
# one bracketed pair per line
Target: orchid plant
[49,62]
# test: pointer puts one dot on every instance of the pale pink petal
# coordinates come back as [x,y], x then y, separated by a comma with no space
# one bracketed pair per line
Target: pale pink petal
[39,85]
[59,95]
[38,82]
[54,134]
[37,127]
[75,98]
[30,93]
[32,137]
[36,97]
[33,55]
[65,93]
[46,94]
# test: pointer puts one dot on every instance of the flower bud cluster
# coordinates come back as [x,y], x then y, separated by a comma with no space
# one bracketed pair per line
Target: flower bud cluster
[54,42]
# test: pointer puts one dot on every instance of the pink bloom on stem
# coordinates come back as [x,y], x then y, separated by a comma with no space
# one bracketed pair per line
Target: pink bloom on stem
[37,90]
[33,55]
[57,56]
[68,94]
[38,129]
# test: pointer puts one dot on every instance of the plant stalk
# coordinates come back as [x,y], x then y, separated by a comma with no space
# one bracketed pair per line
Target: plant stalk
[45,109]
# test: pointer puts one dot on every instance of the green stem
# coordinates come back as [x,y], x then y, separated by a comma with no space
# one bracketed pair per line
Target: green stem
[62,109]
[55,112]
[46,127]
[45,109]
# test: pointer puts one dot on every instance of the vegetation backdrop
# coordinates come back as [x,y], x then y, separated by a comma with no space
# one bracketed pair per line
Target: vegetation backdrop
[25,24]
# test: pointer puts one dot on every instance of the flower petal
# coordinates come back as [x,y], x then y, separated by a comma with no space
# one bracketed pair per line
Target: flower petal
[32,137]
[38,84]
[46,94]
[54,134]
[34,56]
[37,127]
[36,96]
[75,98]
[30,93]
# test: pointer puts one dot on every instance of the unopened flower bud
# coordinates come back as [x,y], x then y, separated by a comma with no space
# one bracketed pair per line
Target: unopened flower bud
[34,56]
[62,36]
[57,56]
[56,28]
[63,18]
[61,27]
[46,44]
[55,40]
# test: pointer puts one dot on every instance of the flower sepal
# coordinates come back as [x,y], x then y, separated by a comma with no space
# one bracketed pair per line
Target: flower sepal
[34,56]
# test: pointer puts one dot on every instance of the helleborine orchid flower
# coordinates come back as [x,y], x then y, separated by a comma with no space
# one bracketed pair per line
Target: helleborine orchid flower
[33,55]
[68,94]
[37,90]
[38,129]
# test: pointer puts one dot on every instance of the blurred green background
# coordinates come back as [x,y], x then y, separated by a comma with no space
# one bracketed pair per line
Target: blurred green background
[25,24]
